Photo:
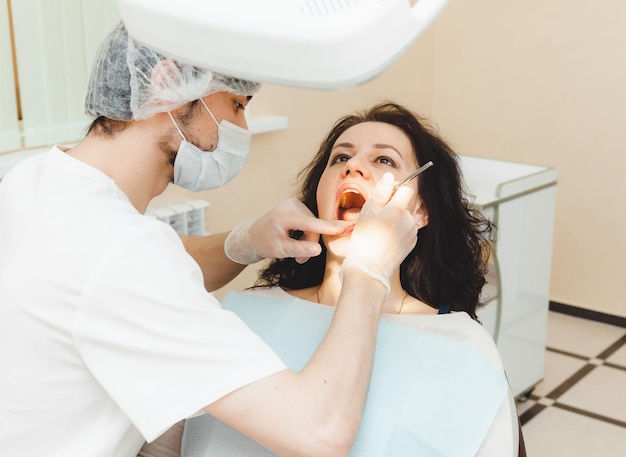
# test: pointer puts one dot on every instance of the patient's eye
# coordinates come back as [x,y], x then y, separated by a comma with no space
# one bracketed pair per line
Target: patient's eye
[339,158]
[386,161]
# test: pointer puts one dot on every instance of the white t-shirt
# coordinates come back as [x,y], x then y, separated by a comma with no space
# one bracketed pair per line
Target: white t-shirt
[107,335]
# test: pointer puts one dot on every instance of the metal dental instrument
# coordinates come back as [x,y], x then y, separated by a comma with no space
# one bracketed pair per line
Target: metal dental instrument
[415,174]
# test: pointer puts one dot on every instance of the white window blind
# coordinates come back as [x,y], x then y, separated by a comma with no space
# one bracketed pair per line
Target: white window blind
[55,42]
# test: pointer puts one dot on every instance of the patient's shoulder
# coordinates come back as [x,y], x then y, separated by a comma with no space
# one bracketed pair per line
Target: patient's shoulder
[458,326]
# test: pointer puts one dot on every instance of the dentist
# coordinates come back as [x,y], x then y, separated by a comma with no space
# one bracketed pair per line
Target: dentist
[108,334]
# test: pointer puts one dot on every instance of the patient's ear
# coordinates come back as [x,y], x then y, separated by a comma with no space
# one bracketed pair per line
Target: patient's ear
[421,215]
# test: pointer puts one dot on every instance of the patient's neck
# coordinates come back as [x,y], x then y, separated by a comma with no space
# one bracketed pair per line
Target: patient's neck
[327,293]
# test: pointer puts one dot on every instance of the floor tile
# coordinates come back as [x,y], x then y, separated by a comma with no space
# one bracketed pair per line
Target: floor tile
[557,369]
[556,432]
[618,357]
[564,333]
[546,401]
[602,391]
[523,406]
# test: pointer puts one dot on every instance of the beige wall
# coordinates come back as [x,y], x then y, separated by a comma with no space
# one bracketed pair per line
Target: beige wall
[544,82]
[521,80]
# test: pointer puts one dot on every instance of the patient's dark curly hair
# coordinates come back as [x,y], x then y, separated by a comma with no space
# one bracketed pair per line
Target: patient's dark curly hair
[449,262]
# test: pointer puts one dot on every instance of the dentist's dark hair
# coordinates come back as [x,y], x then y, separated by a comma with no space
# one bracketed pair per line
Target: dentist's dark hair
[448,265]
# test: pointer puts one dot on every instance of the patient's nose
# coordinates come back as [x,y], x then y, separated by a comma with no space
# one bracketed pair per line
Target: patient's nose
[355,166]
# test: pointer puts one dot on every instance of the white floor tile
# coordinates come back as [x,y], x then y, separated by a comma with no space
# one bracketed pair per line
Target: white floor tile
[558,368]
[523,406]
[546,401]
[602,391]
[580,336]
[618,357]
[555,432]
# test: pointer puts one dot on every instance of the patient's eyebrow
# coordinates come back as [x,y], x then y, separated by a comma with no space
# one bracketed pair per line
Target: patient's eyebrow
[344,145]
[376,146]
[386,146]
[348,145]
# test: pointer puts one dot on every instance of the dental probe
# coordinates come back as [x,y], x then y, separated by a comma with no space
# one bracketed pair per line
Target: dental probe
[415,174]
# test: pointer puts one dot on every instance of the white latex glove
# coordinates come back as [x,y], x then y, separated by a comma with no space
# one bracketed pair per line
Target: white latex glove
[272,235]
[385,232]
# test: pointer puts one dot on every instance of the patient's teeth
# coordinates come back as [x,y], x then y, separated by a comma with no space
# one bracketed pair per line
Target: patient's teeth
[343,201]
[347,198]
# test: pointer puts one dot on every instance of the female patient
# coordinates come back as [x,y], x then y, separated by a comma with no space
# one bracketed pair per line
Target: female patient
[449,396]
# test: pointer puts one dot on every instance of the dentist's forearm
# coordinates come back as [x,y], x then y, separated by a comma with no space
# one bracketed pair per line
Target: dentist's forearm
[208,251]
[318,410]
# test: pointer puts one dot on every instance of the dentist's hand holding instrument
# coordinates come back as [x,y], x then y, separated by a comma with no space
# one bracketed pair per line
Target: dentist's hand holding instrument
[376,248]
[378,259]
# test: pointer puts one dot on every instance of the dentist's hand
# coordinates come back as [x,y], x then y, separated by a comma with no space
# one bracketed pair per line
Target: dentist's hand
[272,235]
[385,232]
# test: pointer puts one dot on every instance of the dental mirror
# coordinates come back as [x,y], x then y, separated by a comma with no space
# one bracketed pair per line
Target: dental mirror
[415,174]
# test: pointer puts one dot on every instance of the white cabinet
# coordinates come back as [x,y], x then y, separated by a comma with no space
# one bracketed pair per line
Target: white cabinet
[520,199]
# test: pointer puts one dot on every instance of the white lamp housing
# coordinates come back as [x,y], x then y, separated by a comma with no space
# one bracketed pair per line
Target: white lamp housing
[316,44]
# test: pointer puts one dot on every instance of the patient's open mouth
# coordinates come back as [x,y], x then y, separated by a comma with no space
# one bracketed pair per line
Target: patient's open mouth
[350,204]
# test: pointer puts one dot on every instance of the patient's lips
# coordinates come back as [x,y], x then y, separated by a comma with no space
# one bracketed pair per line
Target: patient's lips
[350,203]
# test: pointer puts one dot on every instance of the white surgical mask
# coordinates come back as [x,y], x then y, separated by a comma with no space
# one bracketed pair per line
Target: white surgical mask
[196,170]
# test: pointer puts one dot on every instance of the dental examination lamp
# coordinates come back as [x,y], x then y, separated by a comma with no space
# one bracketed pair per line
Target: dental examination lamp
[314,44]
